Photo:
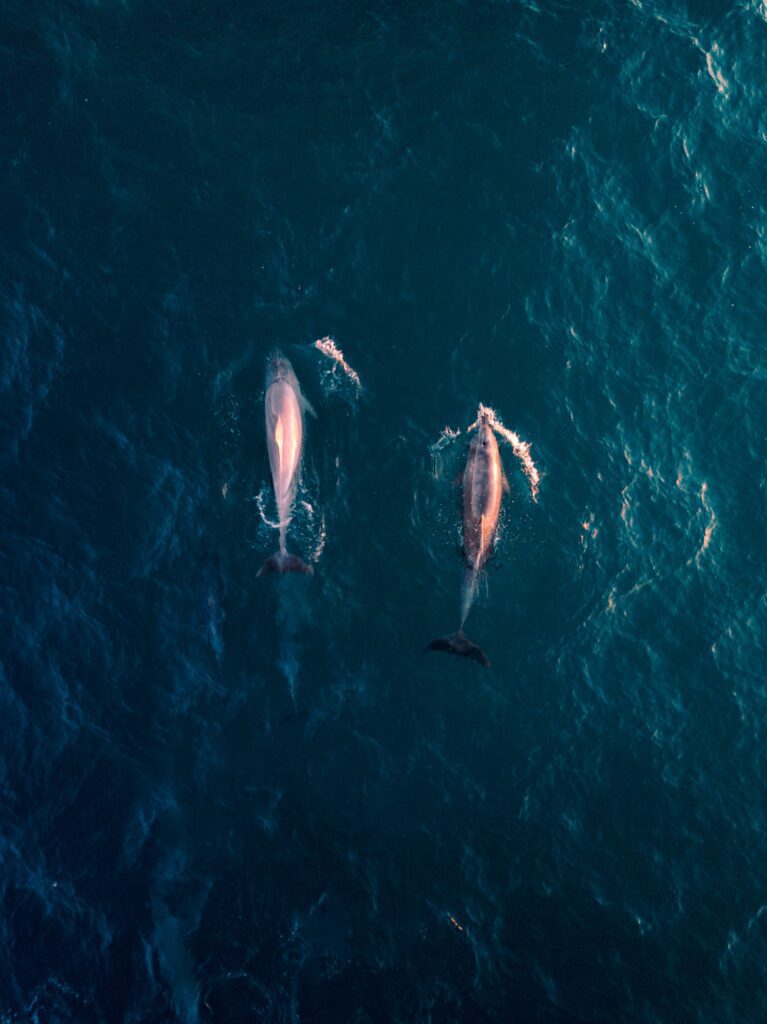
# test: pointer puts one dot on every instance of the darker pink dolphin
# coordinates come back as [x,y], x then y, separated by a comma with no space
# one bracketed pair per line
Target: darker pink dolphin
[483,484]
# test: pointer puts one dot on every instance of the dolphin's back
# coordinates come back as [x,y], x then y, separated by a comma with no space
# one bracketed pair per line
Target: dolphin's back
[284,437]
[482,494]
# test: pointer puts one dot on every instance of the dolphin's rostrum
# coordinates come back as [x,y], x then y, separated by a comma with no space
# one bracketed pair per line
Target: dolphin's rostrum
[284,406]
[483,485]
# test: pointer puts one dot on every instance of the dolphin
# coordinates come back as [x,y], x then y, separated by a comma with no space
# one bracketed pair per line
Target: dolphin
[284,406]
[483,485]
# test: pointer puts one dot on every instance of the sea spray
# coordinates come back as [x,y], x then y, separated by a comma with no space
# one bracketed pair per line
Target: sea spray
[447,437]
[320,531]
[328,348]
[322,536]
[261,505]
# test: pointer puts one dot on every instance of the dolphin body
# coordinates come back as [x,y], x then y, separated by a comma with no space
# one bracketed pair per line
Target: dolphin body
[483,485]
[284,407]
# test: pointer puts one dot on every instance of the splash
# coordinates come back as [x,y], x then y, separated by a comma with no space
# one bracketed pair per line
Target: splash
[329,348]
[520,448]
[447,437]
[319,545]
[261,503]
[321,538]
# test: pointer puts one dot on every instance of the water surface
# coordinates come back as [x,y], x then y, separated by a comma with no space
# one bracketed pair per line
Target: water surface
[232,799]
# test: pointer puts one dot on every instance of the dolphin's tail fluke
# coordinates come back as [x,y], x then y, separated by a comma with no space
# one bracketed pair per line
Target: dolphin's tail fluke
[283,562]
[458,643]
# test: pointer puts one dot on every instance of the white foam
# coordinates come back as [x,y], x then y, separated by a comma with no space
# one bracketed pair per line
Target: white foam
[447,437]
[329,348]
[321,538]
[261,503]
[321,533]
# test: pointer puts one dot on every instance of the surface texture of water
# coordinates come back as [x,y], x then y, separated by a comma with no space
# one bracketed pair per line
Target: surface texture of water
[230,799]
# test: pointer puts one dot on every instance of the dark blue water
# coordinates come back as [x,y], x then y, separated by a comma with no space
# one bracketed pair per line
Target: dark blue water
[230,799]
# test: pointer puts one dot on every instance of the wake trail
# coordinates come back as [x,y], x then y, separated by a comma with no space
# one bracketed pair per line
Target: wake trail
[468,593]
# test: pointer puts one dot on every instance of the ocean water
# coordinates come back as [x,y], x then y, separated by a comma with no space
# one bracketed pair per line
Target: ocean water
[230,799]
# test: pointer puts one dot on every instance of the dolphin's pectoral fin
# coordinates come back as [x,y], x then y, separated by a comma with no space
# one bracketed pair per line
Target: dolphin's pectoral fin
[505,482]
[307,406]
[458,643]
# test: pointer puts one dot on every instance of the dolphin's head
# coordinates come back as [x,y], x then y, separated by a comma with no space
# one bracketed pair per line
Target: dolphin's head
[485,424]
[278,367]
[484,437]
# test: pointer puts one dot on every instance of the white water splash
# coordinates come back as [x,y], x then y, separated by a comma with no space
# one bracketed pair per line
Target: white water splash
[447,437]
[321,538]
[261,503]
[329,348]
[520,448]
[319,545]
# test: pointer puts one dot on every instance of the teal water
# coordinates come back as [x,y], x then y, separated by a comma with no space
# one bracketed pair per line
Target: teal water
[236,799]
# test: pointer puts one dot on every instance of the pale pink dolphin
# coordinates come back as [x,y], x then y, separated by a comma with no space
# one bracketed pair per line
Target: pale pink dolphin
[284,407]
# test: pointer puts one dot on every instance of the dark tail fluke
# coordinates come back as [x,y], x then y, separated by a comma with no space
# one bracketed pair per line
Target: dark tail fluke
[458,643]
[285,563]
